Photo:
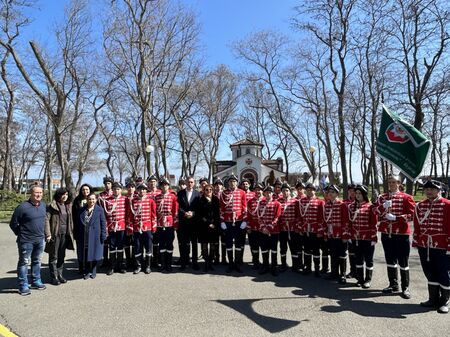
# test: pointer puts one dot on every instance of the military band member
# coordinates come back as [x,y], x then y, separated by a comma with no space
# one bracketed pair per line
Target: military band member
[221,249]
[311,215]
[277,189]
[395,210]
[245,185]
[107,183]
[336,226]
[432,238]
[289,223]
[363,232]
[269,212]
[233,215]
[153,191]
[253,224]
[299,188]
[141,219]
[128,240]
[167,222]
[115,223]
[351,245]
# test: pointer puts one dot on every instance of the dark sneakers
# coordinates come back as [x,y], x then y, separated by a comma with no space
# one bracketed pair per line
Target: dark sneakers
[24,291]
[38,286]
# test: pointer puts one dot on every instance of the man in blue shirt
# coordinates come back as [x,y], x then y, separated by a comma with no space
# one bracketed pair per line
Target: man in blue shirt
[28,223]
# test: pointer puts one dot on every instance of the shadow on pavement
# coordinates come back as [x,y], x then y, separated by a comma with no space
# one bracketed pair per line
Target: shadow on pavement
[270,324]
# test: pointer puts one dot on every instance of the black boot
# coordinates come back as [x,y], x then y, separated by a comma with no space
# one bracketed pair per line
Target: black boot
[368,281]
[334,275]
[121,264]
[359,276]
[316,266]
[137,264]
[224,254]
[238,258]
[161,261]
[406,293]
[112,263]
[273,267]
[342,270]
[230,261]
[353,270]
[205,257]
[265,265]
[307,264]
[148,264]
[155,258]
[106,263]
[393,281]
[80,267]
[255,260]
[295,264]
[433,297]
[61,278]
[210,260]
[301,264]
[443,301]
[216,254]
[128,257]
[168,262]
[325,264]
[283,266]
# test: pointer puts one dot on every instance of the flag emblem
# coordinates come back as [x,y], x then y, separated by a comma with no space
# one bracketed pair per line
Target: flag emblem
[396,134]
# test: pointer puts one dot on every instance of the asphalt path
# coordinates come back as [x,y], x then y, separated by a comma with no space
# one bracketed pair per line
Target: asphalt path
[217,304]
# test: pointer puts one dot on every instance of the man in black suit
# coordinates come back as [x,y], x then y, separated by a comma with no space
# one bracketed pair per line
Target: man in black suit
[188,200]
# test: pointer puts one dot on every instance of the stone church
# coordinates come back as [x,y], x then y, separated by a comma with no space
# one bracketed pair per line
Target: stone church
[247,162]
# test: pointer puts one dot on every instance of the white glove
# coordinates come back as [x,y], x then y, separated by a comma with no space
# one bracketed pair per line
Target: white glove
[223,226]
[448,253]
[387,204]
[390,217]
[243,225]
[373,243]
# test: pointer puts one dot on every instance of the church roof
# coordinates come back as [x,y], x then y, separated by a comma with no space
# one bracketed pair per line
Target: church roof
[246,141]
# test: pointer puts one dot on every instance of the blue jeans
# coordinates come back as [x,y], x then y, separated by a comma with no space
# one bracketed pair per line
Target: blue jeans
[27,251]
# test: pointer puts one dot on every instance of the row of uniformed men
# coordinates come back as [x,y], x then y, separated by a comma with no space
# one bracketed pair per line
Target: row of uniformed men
[308,225]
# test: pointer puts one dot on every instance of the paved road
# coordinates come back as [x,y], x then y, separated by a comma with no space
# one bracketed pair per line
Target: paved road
[197,304]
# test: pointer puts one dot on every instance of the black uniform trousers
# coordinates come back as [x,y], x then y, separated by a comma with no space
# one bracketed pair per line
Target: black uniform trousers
[436,266]
[143,241]
[396,250]
[165,236]
[364,251]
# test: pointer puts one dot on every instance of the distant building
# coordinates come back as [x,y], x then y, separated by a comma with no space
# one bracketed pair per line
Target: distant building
[247,162]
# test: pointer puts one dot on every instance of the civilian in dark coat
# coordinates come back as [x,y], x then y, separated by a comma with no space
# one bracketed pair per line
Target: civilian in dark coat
[187,231]
[78,203]
[93,234]
[58,233]
[208,214]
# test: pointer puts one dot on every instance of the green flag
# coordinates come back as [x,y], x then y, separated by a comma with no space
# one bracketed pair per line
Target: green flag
[402,144]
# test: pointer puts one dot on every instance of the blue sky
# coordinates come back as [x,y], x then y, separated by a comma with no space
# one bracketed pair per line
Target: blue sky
[222,22]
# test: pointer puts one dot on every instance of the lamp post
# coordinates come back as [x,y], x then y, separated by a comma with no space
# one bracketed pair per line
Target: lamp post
[312,149]
[149,149]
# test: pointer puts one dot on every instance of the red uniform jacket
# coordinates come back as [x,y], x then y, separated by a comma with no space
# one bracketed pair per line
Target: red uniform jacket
[141,214]
[268,214]
[166,210]
[311,215]
[336,220]
[362,221]
[290,215]
[252,213]
[432,224]
[153,194]
[402,207]
[233,205]
[115,213]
